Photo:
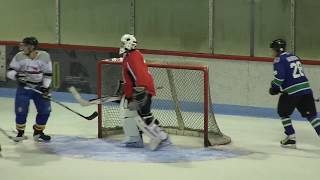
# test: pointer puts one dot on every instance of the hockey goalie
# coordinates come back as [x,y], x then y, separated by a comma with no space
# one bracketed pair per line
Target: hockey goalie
[135,105]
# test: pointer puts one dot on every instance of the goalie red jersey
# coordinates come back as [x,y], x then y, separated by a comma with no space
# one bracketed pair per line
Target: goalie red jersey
[136,74]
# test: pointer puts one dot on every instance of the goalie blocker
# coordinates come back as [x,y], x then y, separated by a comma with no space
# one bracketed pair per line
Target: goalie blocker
[139,99]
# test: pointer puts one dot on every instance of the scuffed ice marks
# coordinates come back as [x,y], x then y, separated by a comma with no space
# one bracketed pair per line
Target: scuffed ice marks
[112,150]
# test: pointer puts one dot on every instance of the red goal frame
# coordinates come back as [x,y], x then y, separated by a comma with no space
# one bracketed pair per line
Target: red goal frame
[204,69]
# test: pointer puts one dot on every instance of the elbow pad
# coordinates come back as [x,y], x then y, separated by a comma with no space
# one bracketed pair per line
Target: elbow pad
[12,74]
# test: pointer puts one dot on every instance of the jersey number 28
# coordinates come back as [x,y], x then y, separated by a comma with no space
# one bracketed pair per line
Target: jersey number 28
[297,69]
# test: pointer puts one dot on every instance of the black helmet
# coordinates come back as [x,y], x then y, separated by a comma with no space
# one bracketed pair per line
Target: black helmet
[30,41]
[279,45]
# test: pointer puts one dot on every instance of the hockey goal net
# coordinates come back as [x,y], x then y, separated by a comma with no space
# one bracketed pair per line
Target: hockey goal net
[182,104]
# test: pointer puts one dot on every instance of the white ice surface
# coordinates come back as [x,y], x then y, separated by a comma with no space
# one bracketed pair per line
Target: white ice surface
[255,140]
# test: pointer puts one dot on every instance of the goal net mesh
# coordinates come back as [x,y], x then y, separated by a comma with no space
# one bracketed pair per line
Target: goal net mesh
[182,103]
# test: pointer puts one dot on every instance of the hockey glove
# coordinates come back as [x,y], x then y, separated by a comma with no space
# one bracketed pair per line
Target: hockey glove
[21,78]
[45,92]
[273,91]
[139,98]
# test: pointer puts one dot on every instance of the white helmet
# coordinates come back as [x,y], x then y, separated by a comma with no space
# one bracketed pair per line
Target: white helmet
[128,41]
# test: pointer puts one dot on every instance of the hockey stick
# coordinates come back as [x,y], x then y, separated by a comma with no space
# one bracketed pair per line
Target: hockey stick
[91,117]
[95,101]
[89,102]
[6,134]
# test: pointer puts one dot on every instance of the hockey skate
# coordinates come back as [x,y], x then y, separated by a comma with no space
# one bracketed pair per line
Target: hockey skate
[164,138]
[154,144]
[165,142]
[39,136]
[161,140]
[20,136]
[289,142]
[134,142]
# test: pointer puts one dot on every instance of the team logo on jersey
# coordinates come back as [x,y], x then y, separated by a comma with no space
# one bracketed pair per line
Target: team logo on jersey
[276,60]
[33,70]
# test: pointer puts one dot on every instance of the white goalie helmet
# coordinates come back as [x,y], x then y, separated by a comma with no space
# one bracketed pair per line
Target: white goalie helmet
[129,42]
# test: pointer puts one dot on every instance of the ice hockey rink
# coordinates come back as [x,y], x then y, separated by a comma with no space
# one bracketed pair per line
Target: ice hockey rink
[225,47]
[76,153]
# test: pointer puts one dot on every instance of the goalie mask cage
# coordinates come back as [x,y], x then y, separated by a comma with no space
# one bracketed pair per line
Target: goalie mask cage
[182,105]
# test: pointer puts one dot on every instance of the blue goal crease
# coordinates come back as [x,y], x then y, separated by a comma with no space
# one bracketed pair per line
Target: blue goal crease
[187,106]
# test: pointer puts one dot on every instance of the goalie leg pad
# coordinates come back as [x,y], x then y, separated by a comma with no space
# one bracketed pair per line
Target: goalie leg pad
[130,127]
[153,123]
[155,137]
[131,122]
[149,119]
[131,131]
[162,135]
[131,115]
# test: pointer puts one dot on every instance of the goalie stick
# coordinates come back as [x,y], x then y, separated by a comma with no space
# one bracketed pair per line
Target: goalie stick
[94,101]
[89,102]
[91,117]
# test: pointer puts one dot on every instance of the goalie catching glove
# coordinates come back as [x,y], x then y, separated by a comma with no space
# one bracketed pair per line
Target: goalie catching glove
[139,98]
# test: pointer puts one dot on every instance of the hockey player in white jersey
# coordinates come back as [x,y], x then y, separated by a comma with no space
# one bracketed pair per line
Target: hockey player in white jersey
[31,68]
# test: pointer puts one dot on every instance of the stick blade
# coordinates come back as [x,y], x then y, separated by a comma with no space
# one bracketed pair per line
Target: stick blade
[104,100]
[74,92]
[77,96]
[92,116]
